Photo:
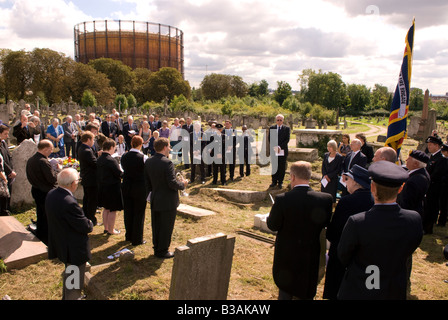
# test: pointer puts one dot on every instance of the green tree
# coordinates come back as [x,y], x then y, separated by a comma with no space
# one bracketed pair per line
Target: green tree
[381,98]
[283,91]
[84,77]
[88,99]
[326,89]
[238,87]
[216,86]
[120,75]
[416,99]
[132,102]
[17,74]
[121,102]
[142,85]
[168,83]
[259,90]
[359,96]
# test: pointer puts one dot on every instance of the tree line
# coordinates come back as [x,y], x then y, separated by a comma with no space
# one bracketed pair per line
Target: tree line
[52,77]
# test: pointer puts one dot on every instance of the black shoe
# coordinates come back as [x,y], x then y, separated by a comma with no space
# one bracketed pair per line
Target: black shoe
[280,185]
[272,185]
[167,255]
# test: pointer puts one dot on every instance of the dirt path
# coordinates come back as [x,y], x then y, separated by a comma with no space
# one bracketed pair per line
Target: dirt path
[373,131]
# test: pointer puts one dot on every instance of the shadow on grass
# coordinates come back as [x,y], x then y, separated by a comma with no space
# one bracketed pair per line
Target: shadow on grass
[433,245]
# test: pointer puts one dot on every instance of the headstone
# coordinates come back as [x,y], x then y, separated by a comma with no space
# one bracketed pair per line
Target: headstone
[19,247]
[201,269]
[193,212]
[21,188]
[310,123]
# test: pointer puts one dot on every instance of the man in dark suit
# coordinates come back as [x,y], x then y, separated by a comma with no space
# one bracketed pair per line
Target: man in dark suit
[355,156]
[7,163]
[197,145]
[68,230]
[130,129]
[245,150]
[414,190]
[279,150]
[21,130]
[375,245]
[359,200]
[366,149]
[299,217]
[163,189]
[437,169]
[119,123]
[42,178]
[186,153]
[88,170]
[109,128]
[229,147]
[69,136]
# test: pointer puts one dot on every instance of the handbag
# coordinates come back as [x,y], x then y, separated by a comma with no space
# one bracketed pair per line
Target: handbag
[4,191]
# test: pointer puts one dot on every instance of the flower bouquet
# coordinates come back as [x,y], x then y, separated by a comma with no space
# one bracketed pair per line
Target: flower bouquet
[70,163]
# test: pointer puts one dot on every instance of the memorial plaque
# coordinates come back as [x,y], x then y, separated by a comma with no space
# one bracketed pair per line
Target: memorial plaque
[19,247]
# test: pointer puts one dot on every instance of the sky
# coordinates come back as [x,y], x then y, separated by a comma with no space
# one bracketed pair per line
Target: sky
[361,40]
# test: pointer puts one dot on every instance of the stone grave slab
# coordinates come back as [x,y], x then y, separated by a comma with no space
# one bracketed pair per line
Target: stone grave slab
[303,154]
[201,269]
[19,247]
[240,196]
[193,212]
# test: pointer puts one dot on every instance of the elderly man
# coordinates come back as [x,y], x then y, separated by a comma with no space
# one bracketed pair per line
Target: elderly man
[355,156]
[299,217]
[42,178]
[70,133]
[130,129]
[68,230]
[22,129]
[279,150]
[385,153]
[375,245]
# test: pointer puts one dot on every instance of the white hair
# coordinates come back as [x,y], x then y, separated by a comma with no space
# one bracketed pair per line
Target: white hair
[67,176]
[280,116]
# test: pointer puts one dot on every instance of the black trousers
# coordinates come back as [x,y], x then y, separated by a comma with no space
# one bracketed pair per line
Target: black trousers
[41,221]
[279,175]
[71,145]
[90,202]
[246,164]
[72,285]
[162,224]
[201,166]
[134,206]
[219,169]
[432,207]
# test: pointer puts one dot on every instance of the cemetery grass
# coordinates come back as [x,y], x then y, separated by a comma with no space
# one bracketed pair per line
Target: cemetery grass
[148,278]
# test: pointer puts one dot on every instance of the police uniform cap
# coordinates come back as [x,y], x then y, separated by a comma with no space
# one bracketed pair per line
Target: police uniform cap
[219,126]
[420,155]
[435,140]
[444,147]
[360,175]
[388,174]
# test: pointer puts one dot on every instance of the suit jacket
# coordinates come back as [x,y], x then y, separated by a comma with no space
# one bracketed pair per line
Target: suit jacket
[367,150]
[107,131]
[87,164]
[283,138]
[133,180]
[360,159]
[126,128]
[332,169]
[69,129]
[299,217]
[40,174]
[7,159]
[385,236]
[68,228]
[160,180]
[21,133]
[437,169]
[412,196]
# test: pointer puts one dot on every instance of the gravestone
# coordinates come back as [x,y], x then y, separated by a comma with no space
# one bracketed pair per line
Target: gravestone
[21,188]
[193,212]
[309,137]
[201,269]
[19,247]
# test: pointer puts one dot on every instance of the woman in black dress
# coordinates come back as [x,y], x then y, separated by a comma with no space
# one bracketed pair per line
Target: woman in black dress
[109,186]
[331,169]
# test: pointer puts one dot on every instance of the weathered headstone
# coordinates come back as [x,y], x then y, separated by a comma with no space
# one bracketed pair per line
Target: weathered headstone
[21,188]
[19,247]
[201,269]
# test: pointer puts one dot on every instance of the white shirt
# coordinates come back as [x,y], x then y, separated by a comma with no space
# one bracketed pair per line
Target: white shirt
[145,157]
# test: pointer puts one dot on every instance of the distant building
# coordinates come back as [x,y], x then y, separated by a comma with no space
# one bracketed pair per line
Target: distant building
[137,44]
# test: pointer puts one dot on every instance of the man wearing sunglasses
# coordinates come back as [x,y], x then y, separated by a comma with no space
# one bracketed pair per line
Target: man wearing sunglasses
[279,150]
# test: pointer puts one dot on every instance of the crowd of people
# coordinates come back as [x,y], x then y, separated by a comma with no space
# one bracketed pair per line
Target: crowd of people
[375,211]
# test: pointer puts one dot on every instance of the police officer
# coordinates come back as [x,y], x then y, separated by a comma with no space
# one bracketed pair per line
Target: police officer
[375,245]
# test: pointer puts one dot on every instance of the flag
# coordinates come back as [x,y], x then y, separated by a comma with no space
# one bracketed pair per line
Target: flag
[397,128]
